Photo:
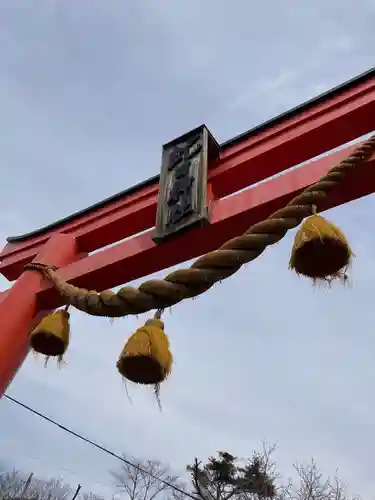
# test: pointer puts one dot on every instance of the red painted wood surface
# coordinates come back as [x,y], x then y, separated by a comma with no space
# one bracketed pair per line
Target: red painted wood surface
[140,256]
[325,126]
[19,307]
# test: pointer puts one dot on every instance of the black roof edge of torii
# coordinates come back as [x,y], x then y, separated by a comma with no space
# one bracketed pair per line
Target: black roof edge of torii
[239,138]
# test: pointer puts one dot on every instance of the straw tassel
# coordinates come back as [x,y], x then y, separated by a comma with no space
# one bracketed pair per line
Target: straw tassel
[51,336]
[320,251]
[146,358]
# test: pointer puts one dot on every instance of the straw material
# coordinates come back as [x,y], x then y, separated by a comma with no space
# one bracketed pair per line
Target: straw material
[51,336]
[146,358]
[320,251]
[220,264]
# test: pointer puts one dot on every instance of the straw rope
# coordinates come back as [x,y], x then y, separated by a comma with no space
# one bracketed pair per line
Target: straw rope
[214,266]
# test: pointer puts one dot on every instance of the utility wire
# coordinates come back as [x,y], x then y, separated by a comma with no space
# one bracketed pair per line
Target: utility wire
[99,447]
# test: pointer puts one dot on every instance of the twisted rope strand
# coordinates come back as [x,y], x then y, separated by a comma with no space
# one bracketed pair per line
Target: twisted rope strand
[214,266]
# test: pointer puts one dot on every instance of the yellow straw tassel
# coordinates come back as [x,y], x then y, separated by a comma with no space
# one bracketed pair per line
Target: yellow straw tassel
[51,336]
[146,358]
[320,251]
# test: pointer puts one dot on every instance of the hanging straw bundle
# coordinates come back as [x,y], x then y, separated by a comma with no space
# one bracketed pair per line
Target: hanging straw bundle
[320,251]
[146,358]
[51,336]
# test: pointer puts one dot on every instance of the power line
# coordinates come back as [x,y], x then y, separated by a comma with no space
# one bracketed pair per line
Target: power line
[98,446]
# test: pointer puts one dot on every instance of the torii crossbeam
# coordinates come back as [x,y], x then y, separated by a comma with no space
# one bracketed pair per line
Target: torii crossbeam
[247,161]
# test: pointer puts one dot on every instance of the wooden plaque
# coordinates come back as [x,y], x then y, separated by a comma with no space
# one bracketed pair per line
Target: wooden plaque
[182,200]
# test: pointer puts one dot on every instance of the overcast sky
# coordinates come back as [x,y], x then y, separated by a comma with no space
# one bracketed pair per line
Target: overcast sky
[89,92]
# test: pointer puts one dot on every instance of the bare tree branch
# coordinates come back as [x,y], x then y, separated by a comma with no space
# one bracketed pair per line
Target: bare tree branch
[137,485]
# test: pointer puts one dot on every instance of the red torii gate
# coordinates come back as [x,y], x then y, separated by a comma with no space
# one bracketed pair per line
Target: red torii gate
[324,123]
